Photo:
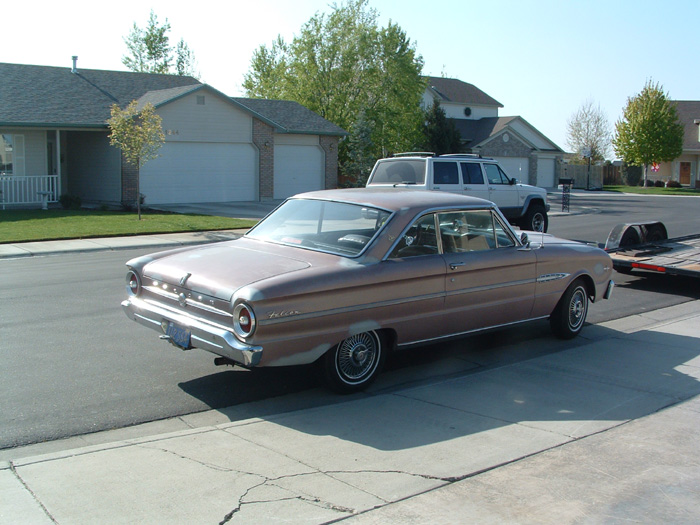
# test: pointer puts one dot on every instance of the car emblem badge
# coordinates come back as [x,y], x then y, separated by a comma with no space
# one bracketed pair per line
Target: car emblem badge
[182,299]
[184,278]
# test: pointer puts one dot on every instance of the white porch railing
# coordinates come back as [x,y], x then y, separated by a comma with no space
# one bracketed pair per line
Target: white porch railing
[40,189]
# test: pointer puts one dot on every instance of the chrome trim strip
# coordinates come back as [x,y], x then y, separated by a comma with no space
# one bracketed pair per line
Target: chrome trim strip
[552,277]
[348,309]
[174,296]
[489,287]
[476,330]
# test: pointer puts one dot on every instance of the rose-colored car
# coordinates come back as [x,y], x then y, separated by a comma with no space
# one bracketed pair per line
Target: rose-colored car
[343,276]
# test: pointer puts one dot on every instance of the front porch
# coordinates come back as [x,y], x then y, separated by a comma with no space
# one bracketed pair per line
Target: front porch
[30,190]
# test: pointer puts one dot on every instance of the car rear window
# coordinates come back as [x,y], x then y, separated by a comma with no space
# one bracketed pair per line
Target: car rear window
[403,171]
[327,226]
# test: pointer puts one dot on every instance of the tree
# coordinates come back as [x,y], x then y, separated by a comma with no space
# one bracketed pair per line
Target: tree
[441,134]
[649,131]
[138,133]
[588,132]
[343,65]
[150,51]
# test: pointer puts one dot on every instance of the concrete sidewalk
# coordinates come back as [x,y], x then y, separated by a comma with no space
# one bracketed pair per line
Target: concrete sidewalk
[604,431]
[155,241]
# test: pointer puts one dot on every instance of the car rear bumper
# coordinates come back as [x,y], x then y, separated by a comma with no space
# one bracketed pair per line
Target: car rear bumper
[203,335]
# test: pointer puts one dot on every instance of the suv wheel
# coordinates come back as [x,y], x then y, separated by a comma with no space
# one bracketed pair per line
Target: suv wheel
[535,219]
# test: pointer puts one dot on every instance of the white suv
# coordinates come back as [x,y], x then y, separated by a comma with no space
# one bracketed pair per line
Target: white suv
[522,204]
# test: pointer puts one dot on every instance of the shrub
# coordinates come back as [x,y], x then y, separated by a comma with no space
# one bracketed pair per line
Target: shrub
[632,175]
[659,184]
[70,202]
[649,183]
[673,184]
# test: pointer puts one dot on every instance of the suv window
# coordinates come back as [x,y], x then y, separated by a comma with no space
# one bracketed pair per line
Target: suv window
[495,174]
[445,173]
[471,173]
[411,171]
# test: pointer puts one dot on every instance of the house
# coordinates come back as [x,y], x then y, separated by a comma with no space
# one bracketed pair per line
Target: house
[521,149]
[54,140]
[686,168]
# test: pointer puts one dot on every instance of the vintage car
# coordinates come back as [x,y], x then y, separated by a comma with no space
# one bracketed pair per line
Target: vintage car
[340,277]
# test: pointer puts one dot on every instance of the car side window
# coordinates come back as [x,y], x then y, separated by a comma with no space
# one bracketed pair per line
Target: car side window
[471,173]
[495,175]
[467,231]
[419,239]
[445,173]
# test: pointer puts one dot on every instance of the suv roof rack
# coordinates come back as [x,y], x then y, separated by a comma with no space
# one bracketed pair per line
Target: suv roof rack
[466,155]
[415,154]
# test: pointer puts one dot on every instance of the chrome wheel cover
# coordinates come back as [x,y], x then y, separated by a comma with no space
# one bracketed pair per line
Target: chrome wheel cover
[578,307]
[357,357]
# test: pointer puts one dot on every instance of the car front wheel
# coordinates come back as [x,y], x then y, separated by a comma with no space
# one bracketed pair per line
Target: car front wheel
[536,219]
[569,315]
[354,363]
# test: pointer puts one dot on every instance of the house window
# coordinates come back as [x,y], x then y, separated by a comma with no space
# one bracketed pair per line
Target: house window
[6,150]
[200,100]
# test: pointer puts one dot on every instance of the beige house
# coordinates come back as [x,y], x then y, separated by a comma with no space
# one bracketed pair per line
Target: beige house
[522,150]
[686,168]
[54,140]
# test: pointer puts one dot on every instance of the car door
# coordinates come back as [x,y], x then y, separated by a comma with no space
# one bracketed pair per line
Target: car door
[445,176]
[490,278]
[473,180]
[413,276]
[501,191]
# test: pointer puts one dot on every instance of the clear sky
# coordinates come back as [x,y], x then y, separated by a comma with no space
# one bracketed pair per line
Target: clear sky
[540,59]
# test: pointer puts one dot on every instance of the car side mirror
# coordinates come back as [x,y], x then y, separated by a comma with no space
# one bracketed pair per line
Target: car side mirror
[512,181]
[524,240]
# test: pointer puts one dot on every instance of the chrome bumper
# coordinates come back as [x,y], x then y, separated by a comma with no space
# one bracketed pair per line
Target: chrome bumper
[205,336]
[609,290]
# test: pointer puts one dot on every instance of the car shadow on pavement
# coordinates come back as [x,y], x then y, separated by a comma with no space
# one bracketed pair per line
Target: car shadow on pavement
[613,378]
[560,392]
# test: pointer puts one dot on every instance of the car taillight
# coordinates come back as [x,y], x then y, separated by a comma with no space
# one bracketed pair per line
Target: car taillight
[243,320]
[133,283]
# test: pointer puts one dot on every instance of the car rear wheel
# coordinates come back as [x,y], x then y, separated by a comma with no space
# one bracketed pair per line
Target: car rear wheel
[570,313]
[536,219]
[354,363]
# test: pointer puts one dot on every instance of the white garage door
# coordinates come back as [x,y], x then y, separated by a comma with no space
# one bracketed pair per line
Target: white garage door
[516,167]
[189,172]
[545,173]
[298,169]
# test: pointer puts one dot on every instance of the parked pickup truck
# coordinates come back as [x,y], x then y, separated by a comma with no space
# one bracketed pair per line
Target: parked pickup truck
[523,205]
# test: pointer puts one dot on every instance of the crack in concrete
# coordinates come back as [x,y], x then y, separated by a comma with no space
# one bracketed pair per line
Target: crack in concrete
[13,469]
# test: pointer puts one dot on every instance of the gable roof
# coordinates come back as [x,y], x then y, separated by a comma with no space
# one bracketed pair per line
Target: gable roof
[475,132]
[688,114]
[54,96]
[287,116]
[454,90]
[44,96]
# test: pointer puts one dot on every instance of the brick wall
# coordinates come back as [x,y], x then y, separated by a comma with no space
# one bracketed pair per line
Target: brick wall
[330,148]
[129,181]
[264,140]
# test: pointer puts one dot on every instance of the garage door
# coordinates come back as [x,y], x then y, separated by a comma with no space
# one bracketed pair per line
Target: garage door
[545,173]
[200,172]
[516,167]
[298,169]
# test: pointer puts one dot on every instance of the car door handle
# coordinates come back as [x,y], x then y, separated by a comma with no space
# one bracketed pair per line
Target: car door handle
[455,265]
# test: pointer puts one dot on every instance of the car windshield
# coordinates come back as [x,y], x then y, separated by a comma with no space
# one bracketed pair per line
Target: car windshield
[327,226]
[399,171]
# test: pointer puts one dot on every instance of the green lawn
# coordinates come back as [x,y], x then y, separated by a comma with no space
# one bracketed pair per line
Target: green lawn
[41,225]
[653,191]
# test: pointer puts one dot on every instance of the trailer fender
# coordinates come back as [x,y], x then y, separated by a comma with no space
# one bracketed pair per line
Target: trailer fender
[631,234]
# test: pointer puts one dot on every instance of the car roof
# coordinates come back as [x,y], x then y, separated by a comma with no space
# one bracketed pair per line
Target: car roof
[394,199]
